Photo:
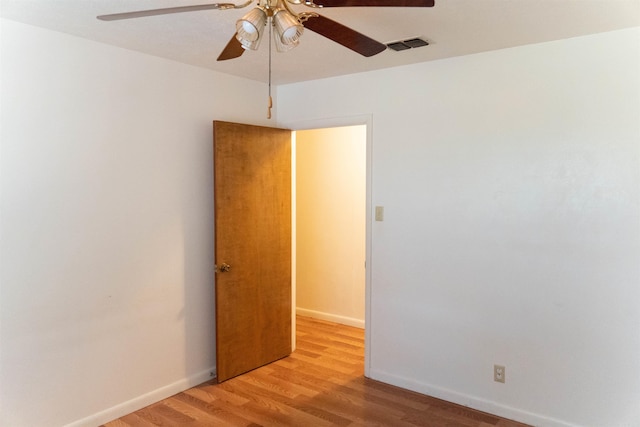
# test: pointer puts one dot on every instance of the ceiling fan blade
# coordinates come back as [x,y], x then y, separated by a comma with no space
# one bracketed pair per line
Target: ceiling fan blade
[233,49]
[153,12]
[344,35]
[374,3]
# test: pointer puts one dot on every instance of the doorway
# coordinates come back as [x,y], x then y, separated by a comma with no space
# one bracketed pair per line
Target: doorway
[331,223]
[361,261]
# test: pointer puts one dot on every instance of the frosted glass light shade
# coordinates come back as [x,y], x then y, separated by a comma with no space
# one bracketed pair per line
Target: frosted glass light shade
[288,28]
[250,27]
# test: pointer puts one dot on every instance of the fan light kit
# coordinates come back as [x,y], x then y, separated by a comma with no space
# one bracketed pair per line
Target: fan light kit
[288,24]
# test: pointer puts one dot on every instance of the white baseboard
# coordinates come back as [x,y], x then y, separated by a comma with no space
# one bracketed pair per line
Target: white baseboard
[146,399]
[343,320]
[473,402]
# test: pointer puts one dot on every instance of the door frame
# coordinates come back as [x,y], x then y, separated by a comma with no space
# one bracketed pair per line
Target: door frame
[334,122]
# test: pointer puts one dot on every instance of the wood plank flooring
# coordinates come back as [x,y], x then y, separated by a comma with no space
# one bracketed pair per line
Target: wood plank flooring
[320,384]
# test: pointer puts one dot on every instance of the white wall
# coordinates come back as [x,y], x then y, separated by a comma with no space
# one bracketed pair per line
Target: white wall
[107,225]
[330,223]
[511,186]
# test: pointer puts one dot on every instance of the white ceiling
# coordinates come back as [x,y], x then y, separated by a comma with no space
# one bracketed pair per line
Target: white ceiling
[453,27]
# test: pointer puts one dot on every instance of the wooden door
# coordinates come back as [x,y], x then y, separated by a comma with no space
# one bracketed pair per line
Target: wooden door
[252,196]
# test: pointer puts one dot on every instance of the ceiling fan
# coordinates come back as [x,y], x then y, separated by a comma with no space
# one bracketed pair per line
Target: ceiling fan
[288,24]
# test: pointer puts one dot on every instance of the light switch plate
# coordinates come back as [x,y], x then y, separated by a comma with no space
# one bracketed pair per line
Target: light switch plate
[379,213]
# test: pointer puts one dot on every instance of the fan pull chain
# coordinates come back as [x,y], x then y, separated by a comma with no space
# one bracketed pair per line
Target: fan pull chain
[270,105]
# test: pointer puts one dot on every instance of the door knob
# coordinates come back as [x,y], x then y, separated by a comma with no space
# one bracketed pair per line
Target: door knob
[224,267]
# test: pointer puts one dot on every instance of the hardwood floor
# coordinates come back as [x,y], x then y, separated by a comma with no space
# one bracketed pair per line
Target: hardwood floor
[320,384]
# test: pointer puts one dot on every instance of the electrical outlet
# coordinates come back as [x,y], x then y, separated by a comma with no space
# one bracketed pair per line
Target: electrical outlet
[498,373]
